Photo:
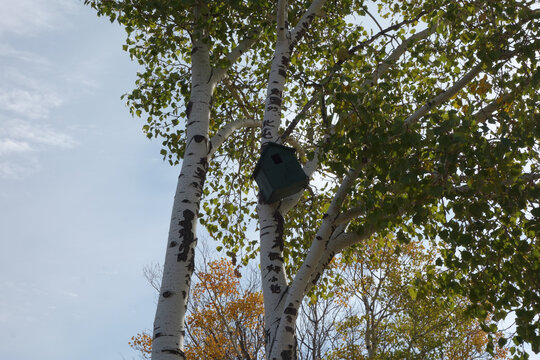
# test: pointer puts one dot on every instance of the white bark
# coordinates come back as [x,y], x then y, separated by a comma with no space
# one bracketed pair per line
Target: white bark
[274,280]
[169,331]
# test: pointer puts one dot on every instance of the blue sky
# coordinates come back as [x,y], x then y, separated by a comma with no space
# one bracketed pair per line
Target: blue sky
[85,199]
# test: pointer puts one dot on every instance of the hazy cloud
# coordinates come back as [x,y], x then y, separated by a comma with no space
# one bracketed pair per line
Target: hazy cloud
[13,146]
[21,142]
[29,103]
[36,133]
[29,17]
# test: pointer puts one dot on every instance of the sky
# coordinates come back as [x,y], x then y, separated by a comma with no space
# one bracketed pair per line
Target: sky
[85,198]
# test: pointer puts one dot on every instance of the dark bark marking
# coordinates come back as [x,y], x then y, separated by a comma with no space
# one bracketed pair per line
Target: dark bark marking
[274,100]
[198,138]
[267,123]
[280,226]
[290,310]
[156,335]
[325,215]
[167,294]
[275,256]
[286,355]
[191,264]
[282,72]
[174,351]
[275,289]
[273,268]
[275,91]
[285,61]
[203,162]
[188,108]
[186,233]
[186,201]
[316,279]
[288,329]
[173,244]
[184,294]
[200,173]
[318,237]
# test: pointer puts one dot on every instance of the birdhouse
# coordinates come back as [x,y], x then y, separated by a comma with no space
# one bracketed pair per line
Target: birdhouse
[278,173]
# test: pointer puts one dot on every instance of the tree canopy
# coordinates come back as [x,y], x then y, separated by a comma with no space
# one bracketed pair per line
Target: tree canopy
[416,118]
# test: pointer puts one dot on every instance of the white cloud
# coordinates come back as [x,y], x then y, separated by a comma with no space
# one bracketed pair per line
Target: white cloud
[13,146]
[29,103]
[14,170]
[29,17]
[36,133]
[17,133]
[7,51]
[21,142]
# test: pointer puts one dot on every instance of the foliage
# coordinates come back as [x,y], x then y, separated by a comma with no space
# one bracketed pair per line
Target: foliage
[225,319]
[387,319]
[424,125]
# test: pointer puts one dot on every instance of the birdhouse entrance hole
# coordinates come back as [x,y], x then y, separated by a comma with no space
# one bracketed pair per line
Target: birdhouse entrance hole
[277,159]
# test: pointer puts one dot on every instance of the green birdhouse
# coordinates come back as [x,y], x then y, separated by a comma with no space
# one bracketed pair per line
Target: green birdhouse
[278,173]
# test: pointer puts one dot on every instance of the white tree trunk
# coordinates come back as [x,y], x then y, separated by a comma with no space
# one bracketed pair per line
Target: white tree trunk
[274,281]
[168,338]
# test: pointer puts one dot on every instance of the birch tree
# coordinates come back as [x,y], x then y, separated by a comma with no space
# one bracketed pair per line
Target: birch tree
[417,118]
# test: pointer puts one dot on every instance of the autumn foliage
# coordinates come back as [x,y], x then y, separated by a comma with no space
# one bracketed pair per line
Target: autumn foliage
[225,319]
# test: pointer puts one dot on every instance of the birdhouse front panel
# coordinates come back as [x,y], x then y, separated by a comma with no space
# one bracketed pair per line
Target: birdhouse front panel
[279,173]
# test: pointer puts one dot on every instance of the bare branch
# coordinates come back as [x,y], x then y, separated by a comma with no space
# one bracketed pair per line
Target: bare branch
[318,246]
[483,114]
[395,55]
[305,21]
[444,96]
[531,178]
[227,130]
[350,214]
[232,57]
[337,244]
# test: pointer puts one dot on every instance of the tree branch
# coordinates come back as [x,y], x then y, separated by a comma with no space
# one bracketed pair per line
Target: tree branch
[374,77]
[232,57]
[349,215]
[483,114]
[219,138]
[316,250]
[395,55]
[305,21]
[444,96]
